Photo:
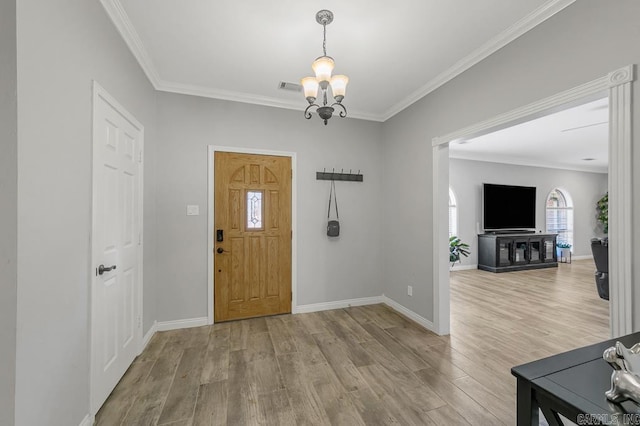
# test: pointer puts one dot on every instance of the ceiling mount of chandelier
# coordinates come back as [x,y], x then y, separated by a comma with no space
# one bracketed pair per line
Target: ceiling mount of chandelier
[318,86]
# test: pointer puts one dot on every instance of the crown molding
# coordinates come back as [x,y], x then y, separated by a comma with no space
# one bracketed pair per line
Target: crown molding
[207,92]
[123,24]
[125,27]
[519,161]
[516,30]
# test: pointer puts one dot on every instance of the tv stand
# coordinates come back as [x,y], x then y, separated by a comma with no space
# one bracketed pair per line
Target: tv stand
[516,251]
[510,231]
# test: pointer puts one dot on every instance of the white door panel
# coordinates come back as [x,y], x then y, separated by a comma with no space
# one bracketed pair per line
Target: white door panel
[116,333]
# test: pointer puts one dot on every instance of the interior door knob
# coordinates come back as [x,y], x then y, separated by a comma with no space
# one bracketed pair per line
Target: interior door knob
[220,250]
[102,269]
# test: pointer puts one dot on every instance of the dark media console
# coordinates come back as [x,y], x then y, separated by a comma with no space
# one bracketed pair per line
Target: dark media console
[505,252]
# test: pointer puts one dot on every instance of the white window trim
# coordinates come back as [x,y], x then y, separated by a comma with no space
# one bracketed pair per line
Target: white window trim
[452,197]
[569,208]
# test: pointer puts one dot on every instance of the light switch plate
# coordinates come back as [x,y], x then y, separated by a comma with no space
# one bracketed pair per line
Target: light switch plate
[193,210]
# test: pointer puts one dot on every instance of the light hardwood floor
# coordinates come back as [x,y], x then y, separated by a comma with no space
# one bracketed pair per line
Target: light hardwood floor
[365,365]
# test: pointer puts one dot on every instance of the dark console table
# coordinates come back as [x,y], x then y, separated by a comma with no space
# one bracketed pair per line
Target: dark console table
[572,384]
[516,251]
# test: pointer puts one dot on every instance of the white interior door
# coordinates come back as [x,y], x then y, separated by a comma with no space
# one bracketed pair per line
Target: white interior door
[117,239]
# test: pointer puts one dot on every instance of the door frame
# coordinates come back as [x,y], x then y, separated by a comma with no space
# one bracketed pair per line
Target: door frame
[100,92]
[211,150]
[616,85]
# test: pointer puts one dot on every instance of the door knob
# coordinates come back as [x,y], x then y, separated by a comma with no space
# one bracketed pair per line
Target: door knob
[220,250]
[102,269]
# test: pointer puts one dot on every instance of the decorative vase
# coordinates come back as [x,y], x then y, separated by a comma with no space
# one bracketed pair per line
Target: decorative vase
[563,253]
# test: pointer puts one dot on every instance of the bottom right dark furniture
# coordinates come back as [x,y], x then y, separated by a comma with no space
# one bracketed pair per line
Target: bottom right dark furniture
[572,384]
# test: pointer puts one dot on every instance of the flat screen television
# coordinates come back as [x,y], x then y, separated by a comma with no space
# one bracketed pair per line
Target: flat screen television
[508,207]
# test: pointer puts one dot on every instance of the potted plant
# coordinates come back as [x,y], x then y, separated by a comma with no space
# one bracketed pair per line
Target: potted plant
[602,207]
[456,249]
[563,249]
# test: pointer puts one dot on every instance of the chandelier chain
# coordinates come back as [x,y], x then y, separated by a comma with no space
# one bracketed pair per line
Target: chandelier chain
[324,39]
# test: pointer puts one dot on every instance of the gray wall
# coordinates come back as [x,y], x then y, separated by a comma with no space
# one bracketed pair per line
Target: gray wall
[8,211]
[583,42]
[62,47]
[387,224]
[466,178]
[327,270]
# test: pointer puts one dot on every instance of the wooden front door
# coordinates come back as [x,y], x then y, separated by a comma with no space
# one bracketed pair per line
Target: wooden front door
[252,235]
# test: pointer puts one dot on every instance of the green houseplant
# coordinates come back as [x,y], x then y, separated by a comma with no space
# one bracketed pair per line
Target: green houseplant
[456,249]
[602,207]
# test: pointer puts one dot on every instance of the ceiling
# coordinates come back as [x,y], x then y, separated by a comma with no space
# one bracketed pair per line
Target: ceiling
[393,52]
[562,140]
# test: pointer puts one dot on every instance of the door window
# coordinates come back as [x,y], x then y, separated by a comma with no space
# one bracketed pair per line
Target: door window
[255,210]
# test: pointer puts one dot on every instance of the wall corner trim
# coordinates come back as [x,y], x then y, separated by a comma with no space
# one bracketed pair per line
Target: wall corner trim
[464,267]
[510,34]
[87,421]
[338,304]
[408,313]
[341,304]
[125,27]
[148,335]
[123,24]
[582,257]
[183,323]
[301,309]
[621,76]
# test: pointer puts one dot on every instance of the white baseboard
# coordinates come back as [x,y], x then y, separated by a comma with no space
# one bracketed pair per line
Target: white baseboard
[171,325]
[184,323]
[300,309]
[408,313]
[469,267]
[338,304]
[87,421]
[464,267]
[583,257]
[149,334]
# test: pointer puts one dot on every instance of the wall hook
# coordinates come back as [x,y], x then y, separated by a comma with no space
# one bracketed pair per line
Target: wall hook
[341,176]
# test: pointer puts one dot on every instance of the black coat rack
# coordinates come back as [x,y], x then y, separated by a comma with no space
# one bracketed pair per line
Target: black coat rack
[333,175]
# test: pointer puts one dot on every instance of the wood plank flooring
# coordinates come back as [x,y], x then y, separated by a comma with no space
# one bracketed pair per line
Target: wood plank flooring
[365,365]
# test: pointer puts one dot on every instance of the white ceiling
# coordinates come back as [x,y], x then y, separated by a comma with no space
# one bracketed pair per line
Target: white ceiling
[561,140]
[393,52]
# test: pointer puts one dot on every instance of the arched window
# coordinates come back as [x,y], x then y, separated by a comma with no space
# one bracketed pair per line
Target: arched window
[453,214]
[560,215]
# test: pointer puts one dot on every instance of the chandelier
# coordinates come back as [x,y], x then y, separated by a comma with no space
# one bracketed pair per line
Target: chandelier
[322,67]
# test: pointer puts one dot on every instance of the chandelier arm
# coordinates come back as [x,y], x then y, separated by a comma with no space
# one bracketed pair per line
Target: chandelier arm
[343,113]
[307,114]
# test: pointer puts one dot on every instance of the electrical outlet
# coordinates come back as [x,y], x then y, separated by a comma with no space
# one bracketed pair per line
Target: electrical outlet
[409,290]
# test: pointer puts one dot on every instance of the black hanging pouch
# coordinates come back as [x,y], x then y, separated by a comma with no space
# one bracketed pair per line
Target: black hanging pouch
[333,226]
